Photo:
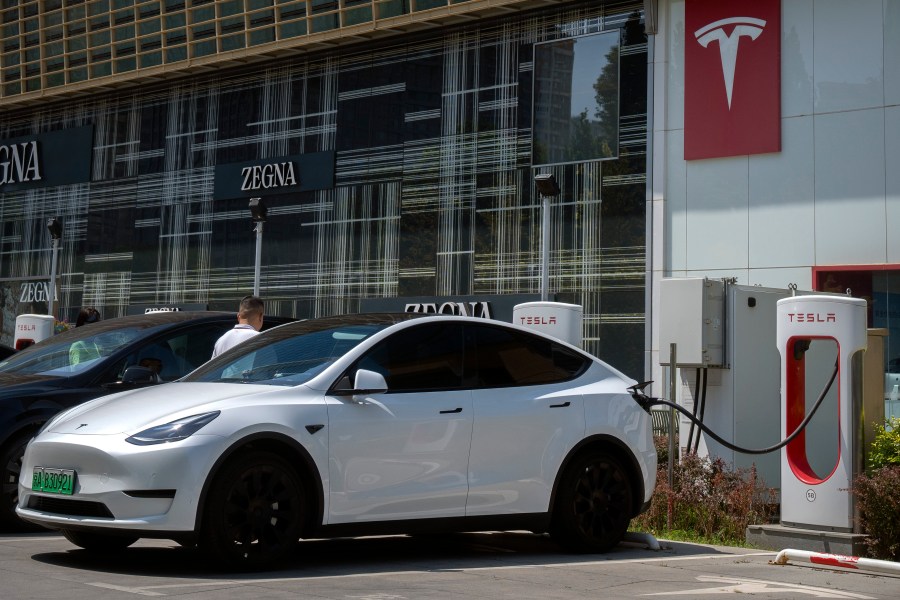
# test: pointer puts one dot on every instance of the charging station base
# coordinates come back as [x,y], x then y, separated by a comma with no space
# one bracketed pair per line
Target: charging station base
[779,537]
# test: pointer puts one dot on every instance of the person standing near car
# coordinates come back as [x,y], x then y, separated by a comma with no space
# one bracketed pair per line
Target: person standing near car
[250,320]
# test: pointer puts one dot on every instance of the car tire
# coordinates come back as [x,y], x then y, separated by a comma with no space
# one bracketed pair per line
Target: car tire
[254,513]
[100,543]
[594,504]
[11,461]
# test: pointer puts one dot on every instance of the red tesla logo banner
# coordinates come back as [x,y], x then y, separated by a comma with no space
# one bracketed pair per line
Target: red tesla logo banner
[732,78]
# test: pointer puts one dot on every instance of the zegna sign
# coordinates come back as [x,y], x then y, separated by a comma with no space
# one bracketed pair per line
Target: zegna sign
[489,306]
[46,159]
[279,175]
[19,163]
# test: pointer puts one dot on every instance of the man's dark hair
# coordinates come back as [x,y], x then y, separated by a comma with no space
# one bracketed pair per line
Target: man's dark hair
[250,305]
[88,314]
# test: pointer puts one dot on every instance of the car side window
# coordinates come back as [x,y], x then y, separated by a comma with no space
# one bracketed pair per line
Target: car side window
[423,357]
[498,357]
[176,355]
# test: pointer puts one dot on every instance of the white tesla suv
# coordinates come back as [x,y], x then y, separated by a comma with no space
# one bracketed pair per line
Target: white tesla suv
[352,425]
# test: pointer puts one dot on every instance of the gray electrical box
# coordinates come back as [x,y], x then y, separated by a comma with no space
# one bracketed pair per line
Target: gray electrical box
[741,403]
[692,316]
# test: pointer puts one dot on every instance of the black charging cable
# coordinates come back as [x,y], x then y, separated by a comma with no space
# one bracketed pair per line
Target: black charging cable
[645,401]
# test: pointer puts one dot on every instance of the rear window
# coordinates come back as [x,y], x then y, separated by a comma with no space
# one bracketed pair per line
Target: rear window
[500,357]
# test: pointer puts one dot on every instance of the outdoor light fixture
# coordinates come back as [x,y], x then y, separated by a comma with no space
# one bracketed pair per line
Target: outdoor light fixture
[258,213]
[55,229]
[258,210]
[546,184]
[547,188]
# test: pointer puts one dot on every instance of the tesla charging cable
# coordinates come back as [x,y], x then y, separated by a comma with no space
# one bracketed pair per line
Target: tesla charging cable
[637,392]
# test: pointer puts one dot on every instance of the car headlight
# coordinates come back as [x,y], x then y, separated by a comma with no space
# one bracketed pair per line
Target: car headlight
[174,431]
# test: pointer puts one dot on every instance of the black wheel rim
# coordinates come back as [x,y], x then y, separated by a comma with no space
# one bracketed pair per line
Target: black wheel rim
[262,511]
[601,501]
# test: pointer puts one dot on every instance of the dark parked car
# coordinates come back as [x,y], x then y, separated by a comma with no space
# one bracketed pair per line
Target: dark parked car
[6,351]
[91,361]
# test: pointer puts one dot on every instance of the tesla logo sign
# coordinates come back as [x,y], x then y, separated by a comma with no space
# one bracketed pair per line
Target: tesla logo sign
[540,320]
[812,318]
[732,96]
[728,43]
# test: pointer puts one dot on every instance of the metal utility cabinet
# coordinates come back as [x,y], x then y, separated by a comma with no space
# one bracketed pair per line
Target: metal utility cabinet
[730,330]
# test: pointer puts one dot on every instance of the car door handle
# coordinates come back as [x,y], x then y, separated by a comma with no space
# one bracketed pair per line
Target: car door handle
[563,405]
[450,412]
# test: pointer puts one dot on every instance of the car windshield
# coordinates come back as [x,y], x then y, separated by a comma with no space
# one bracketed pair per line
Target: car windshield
[65,354]
[280,358]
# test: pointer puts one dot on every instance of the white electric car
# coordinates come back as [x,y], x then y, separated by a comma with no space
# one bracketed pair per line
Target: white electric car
[352,425]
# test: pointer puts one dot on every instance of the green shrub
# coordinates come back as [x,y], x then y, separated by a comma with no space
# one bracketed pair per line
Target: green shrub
[876,493]
[885,449]
[708,501]
[878,501]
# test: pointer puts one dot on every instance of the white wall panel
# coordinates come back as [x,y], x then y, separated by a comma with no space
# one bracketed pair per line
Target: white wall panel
[892,52]
[782,186]
[717,203]
[850,188]
[675,51]
[676,202]
[849,54]
[781,278]
[796,57]
[892,181]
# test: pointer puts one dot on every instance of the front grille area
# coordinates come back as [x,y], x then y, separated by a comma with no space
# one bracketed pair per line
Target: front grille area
[70,507]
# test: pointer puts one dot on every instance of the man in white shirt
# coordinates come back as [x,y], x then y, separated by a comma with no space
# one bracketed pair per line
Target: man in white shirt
[250,320]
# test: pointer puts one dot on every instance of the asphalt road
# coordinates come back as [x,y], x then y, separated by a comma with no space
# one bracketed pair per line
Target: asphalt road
[468,566]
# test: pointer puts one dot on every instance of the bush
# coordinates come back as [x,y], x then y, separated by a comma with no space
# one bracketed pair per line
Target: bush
[707,501]
[877,495]
[879,507]
[885,448]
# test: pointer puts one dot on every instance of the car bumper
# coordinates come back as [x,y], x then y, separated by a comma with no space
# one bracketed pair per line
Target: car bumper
[118,486]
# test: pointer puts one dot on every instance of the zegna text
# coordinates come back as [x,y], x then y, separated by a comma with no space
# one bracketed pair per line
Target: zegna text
[19,163]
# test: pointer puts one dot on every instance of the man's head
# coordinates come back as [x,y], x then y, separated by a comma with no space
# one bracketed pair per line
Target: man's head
[250,312]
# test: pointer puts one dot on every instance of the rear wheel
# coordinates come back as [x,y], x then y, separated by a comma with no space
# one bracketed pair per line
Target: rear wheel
[594,504]
[11,461]
[255,511]
[101,543]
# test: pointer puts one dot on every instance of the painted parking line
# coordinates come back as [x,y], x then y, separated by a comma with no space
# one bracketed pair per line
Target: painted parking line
[161,590]
[739,585]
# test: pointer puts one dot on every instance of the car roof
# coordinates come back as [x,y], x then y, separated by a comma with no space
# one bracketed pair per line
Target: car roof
[145,321]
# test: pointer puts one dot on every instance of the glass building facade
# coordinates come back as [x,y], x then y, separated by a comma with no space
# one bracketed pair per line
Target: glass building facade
[391,168]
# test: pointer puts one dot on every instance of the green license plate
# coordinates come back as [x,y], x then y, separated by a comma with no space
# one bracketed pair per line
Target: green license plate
[53,481]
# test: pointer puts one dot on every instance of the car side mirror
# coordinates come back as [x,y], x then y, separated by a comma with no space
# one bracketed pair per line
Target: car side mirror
[365,382]
[137,375]
[369,382]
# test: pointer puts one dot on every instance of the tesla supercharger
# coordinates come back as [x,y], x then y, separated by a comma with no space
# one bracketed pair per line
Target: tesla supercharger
[814,334]
[31,329]
[563,321]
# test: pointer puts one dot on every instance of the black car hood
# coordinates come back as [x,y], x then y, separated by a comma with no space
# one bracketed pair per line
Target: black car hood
[10,383]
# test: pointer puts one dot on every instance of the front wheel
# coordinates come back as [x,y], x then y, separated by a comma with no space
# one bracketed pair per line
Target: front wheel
[254,515]
[101,543]
[594,504]
[11,461]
